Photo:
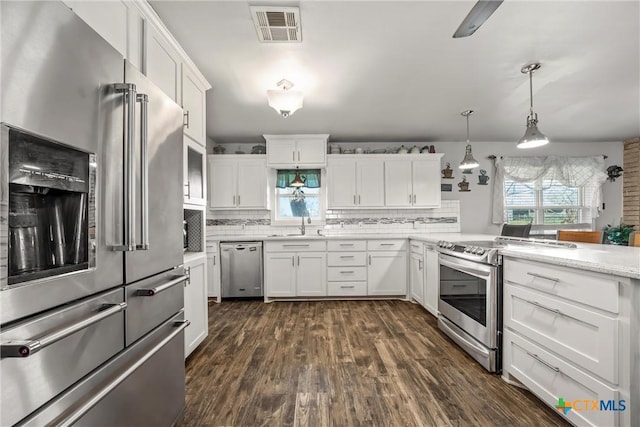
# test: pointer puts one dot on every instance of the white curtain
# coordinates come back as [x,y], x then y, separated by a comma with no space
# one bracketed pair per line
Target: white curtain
[585,172]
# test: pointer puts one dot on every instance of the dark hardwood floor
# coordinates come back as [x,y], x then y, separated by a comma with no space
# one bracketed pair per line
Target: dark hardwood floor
[343,363]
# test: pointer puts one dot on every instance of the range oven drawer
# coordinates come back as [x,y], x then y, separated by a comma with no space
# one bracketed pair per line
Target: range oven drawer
[58,348]
[152,301]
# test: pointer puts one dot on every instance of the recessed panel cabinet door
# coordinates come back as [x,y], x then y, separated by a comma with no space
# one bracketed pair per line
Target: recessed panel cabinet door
[311,151]
[370,178]
[195,304]
[342,183]
[252,185]
[280,274]
[282,151]
[311,275]
[163,64]
[416,272]
[193,104]
[397,183]
[426,183]
[222,182]
[432,280]
[387,273]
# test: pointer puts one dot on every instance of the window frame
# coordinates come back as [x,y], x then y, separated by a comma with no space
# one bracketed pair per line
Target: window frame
[283,222]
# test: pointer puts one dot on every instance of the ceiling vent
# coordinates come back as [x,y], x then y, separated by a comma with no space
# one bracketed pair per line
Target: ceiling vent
[277,24]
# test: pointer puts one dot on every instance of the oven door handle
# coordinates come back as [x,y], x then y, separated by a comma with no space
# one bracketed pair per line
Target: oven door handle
[464,269]
[95,399]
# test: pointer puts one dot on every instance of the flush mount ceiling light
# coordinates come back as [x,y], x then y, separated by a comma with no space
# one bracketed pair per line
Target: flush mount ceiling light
[532,136]
[468,162]
[284,100]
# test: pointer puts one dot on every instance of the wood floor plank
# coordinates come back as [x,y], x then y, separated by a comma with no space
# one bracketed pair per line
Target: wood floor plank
[343,363]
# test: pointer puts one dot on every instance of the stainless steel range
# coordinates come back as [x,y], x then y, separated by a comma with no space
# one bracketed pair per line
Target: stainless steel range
[470,301]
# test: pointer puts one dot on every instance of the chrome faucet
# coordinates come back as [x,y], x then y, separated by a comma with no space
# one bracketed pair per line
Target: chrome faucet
[302,227]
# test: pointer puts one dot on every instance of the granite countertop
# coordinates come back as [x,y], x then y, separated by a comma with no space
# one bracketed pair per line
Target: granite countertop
[608,259]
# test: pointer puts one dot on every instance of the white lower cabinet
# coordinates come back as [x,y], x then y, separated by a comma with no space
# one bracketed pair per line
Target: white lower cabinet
[347,268]
[387,270]
[566,336]
[195,303]
[416,272]
[213,271]
[295,269]
[432,279]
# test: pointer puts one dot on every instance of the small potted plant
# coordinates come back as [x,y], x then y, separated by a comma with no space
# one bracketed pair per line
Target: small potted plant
[619,234]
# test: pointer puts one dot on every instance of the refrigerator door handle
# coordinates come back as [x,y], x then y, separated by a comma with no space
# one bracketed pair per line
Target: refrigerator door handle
[129,92]
[143,99]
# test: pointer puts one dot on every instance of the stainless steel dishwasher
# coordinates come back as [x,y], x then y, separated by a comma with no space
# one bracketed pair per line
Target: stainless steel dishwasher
[241,269]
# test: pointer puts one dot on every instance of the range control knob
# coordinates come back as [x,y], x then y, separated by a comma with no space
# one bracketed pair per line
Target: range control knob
[450,245]
[480,251]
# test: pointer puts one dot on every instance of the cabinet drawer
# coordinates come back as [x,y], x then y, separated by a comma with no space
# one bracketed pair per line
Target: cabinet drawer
[587,288]
[212,247]
[337,259]
[586,338]
[551,378]
[416,247]
[347,274]
[386,245]
[354,289]
[347,245]
[296,246]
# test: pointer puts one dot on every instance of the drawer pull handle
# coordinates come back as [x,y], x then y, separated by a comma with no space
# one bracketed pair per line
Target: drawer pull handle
[153,291]
[346,244]
[296,246]
[459,286]
[346,256]
[540,276]
[347,272]
[544,307]
[28,347]
[548,365]
[347,287]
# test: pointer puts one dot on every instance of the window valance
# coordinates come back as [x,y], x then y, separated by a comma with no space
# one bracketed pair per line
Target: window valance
[310,177]
[586,172]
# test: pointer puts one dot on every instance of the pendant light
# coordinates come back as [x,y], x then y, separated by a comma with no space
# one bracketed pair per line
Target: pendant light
[468,162]
[297,180]
[532,136]
[284,100]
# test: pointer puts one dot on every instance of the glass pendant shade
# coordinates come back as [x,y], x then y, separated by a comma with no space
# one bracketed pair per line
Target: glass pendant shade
[468,162]
[284,100]
[297,181]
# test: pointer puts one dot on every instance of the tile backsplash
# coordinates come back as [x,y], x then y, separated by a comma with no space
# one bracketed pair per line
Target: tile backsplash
[443,219]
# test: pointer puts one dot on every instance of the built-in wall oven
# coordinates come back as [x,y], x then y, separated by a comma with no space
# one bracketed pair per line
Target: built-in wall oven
[469,303]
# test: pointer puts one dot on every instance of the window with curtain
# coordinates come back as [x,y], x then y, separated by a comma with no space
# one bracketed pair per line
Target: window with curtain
[293,203]
[551,192]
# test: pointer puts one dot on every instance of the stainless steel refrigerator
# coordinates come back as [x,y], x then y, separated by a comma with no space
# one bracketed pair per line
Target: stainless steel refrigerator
[91,295]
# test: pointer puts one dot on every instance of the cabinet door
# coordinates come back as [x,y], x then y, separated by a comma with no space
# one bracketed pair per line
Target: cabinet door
[397,183]
[341,178]
[222,184]
[387,273]
[370,179]
[311,274]
[194,187]
[107,18]
[417,277]
[426,183]
[163,64]
[280,274]
[213,275]
[432,280]
[281,151]
[195,304]
[252,185]
[311,152]
[193,104]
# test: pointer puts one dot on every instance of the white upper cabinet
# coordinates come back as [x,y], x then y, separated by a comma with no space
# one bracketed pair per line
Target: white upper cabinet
[163,63]
[238,182]
[355,183]
[289,151]
[193,104]
[413,182]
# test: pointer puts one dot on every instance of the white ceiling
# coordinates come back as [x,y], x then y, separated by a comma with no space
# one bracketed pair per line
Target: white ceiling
[390,70]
